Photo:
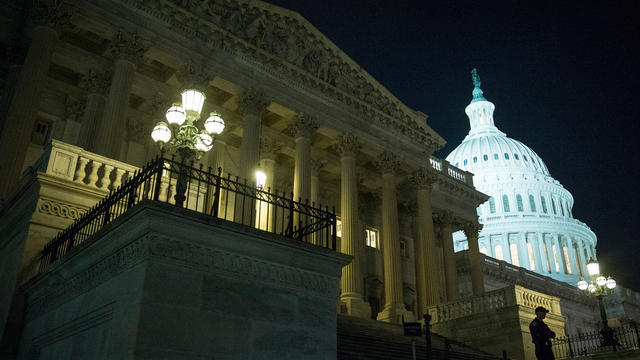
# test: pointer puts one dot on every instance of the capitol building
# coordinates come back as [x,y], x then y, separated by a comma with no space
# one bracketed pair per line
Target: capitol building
[527,220]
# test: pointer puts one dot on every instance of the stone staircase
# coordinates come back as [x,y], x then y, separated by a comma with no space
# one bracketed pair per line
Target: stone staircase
[360,339]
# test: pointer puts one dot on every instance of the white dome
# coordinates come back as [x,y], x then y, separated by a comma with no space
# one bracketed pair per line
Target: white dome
[528,218]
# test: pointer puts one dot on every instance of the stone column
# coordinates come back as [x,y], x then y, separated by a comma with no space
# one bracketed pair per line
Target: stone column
[506,248]
[47,17]
[542,248]
[471,230]
[535,246]
[304,125]
[583,260]
[96,84]
[450,272]
[351,283]
[126,49]
[252,103]
[394,302]
[269,150]
[427,280]
[316,166]
[556,240]
[523,251]
[572,257]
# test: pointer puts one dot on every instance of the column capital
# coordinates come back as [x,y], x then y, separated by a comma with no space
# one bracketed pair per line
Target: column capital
[127,46]
[74,108]
[471,229]
[252,101]
[50,13]
[348,144]
[424,177]
[96,81]
[193,76]
[317,165]
[445,218]
[304,125]
[269,147]
[388,162]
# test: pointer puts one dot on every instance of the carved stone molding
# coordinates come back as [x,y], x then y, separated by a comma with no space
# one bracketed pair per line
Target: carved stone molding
[348,144]
[269,147]
[471,229]
[445,218]
[127,46]
[388,162]
[289,49]
[60,208]
[424,177]
[194,76]
[74,108]
[317,165]
[304,125]
[51,13]
[252,101]
[96,82]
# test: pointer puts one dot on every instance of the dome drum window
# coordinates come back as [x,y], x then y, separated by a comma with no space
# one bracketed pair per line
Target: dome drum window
[506,156]
[515,156]
[485,157]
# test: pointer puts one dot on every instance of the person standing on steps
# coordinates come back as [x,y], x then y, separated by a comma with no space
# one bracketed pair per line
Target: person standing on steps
[541,335]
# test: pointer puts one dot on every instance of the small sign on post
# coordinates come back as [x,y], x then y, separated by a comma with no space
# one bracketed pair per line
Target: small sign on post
[412,329]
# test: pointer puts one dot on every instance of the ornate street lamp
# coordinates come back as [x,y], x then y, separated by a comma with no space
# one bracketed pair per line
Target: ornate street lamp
[179,133]
[600,286]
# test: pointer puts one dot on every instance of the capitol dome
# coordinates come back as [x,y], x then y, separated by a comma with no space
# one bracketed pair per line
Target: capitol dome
[528,218]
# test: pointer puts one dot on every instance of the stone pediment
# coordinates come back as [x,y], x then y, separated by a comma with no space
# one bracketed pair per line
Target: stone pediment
[287,45]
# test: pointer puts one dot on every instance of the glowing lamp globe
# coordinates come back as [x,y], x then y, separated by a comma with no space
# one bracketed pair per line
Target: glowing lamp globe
[601,281]
[176,115]
[204,142]
[611,284]
[214,124]
[161,132]
[261,179]
[583,285]
[593,267]
[192,100]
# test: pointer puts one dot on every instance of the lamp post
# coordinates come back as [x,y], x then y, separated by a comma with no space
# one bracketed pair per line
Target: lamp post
[181,134]
[599,286]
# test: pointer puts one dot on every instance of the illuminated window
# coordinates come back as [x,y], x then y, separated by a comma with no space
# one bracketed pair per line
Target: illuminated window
[483,250]
[516,156]
[485,157]
[578,262]
[567,260]
[495,157]
[338,228]
[492,205]
[546,253]
[505,203]
[506,156]
[532,203]
[498,252]
[515,260]
[372,238]
[519,202]
[553,206]
[532,260]
[555,257]
[544,204]
[475,159]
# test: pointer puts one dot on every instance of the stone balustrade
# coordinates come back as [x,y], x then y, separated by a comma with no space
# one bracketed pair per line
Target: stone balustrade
[453,172]
[509,296]
[75,164]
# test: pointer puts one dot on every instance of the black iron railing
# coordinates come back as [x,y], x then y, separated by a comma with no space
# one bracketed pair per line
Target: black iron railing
[605,340]
[204,191]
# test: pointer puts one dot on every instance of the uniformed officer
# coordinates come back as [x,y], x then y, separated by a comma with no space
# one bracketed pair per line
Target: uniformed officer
[541,335]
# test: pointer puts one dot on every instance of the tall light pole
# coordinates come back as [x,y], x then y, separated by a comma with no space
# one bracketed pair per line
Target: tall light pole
[600,286]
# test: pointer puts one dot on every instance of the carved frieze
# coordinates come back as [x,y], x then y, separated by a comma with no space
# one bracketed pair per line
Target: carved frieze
[96,81]
[60,208]
[424,177]
[194,76]
[51,13]
[127,46]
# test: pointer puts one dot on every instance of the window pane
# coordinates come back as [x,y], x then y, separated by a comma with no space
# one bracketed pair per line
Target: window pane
[495,156]
[519,202]
[485,157]
[567,260]
[516,156]
[492,205]
[506,156]
[475,159]
[532,260]
[532,203]
[505,203]
[544,205]
[498,252]
[515,260]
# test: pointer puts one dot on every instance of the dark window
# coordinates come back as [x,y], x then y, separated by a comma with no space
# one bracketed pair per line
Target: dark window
[475,159]
[516,156]
[495,156]
[506,156]
[485,157]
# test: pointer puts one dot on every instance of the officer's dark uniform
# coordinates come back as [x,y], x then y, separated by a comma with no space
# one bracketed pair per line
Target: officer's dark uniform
[541,336]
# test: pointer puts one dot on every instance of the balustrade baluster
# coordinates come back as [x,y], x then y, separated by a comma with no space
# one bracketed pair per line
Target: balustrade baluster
[80,173]
[106,178]
[117,181]
[93,175]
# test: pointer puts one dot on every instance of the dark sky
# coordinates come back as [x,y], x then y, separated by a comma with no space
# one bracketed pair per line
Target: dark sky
[563,75]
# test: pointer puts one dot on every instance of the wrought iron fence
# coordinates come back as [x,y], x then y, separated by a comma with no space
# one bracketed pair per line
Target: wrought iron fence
[207,192]
[605,340]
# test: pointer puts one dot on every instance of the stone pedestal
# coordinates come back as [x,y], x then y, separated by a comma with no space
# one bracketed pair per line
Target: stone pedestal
[145,290]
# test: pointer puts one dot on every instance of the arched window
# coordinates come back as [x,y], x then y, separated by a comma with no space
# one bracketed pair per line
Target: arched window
[505,203]
[532,260]
[546,253]
[555,257]
[483,250]
[578,261]
[515,260]
[567,260]
[475,159]
[457,165]
[516,156]
[506,156]
[498,252]
[485,157]
[544,205]
[464,162]
[519,202]
[495,156]
[492,205]
[553,206]
[524,157]
[532,203]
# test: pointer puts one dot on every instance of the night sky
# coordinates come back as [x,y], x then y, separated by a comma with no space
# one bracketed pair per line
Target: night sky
[563,75]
